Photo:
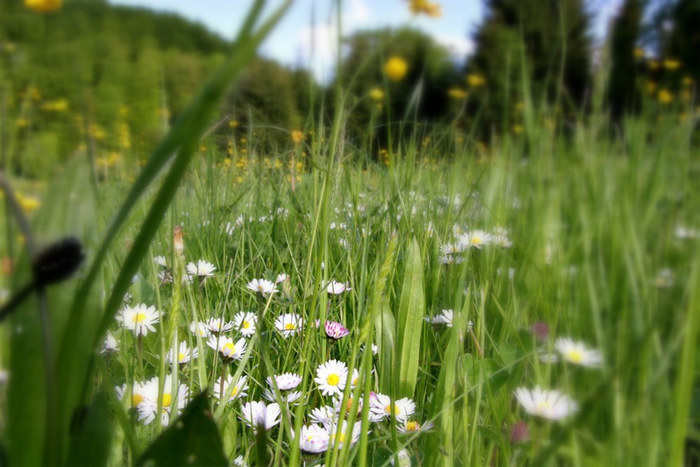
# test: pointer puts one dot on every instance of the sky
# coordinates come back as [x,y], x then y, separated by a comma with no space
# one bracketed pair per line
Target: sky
[299,41]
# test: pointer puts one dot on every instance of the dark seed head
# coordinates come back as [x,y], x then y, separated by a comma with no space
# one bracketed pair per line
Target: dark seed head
[58,261]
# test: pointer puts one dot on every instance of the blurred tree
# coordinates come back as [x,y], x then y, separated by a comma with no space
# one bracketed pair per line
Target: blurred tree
[421,95]
[537,46]
[623,88]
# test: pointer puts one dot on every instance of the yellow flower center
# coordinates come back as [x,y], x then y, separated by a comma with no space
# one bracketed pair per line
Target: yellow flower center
[476,240]
[412,426]
[575,356]
[139,318]
[181,357]
[246,325]
[228,348]
[333,379]
[167,400]
[387,409]
[290,326]
[136,399]
[543,406]
[234,391]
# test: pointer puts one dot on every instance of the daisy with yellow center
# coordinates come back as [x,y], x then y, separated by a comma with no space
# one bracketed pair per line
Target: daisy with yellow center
[225,389]
[148,407]
[227,348]
[288,324]
[331,377]
[552,405]
[381,406]
[577,353]
[184,354]
[245,323]
[139,319]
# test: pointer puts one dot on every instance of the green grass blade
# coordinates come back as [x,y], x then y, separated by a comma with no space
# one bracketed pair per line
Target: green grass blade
[410,322]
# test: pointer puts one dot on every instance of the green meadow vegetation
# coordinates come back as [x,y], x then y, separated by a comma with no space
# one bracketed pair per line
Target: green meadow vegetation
[262,270]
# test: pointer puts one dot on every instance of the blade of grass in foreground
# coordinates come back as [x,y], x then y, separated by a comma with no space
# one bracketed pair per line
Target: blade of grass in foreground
[75,354]
[410,324]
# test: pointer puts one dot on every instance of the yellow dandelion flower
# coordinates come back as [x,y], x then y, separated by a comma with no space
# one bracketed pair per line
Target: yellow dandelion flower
[457,93]
[475,80]
[425,7]
[43,6]
[57,105]
[664,96]
[297,137]
[233,123]
[396,68]
[376,94]
[671,64]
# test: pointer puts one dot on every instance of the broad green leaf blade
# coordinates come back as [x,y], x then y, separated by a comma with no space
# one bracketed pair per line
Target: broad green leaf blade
[91,439]
[410,322]
[193,439]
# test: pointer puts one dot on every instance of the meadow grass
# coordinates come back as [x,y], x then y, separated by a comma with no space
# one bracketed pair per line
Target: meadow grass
[596,255]
[452,273]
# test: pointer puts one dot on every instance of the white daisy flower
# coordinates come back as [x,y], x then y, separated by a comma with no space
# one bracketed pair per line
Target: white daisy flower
[404,459]
[184,354]
[262,286]
[288,324]
[343,435]
[331,377]
[324,415]
[336,288]
[686,233]
[314,439]
[257,414]
[553,405]
[139,319]
[450,259]
[281,278]
[381,406]
[148,407]
[286,396]
[202,269]
[445,317]
[500,238]
[475,239]
[411,426]
[578,353]
[227,348]
[245,323]
[160,261]
[200,329]
[665,278]
[286,381]
[227,391]
[110,344]
[218,325]
[239,461]
[138,393]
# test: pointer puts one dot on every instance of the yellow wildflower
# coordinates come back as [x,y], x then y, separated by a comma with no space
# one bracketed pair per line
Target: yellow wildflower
[475,80]
[664,96]
[426,7]
[297,137]
[651,87]
[671,64]
[43,6]
[457,93]
[395,68]
[638,53]
[517,129]
[687,81]
[376,94]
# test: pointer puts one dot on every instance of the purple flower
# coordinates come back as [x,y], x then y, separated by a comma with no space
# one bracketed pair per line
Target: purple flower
[336,330]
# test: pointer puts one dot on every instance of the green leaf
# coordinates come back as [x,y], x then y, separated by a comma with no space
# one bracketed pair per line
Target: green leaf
[91,439]
[192,439]
[410,323]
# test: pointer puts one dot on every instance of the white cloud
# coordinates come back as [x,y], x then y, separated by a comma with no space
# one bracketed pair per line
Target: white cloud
[459,47]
